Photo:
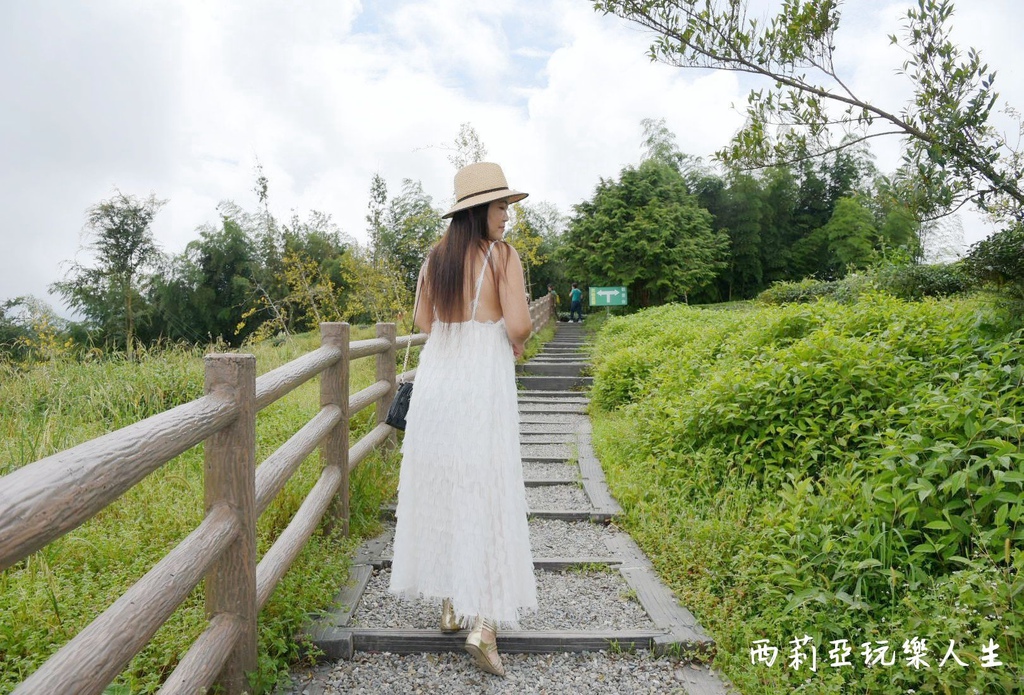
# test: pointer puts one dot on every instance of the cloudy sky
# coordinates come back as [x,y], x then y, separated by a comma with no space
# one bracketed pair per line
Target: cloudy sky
[182,98]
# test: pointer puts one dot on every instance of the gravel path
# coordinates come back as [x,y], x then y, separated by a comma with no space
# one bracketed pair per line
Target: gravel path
[534,408]
[581,599]
[554,538]
[531,429]
[533,470]
[547,438]
[563,450]
[593,673]
[572,600]
[568,497]
[569,419]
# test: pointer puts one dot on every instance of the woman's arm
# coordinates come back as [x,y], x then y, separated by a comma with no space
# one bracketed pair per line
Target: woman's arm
[423,318]
[514,308]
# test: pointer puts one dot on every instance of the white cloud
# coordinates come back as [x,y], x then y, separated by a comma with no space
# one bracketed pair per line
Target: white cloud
[180,99]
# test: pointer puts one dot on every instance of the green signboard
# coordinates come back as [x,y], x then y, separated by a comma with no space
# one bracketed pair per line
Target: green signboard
[608,296]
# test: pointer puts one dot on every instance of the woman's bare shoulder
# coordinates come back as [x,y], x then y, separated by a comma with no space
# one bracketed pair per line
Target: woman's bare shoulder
[508,252]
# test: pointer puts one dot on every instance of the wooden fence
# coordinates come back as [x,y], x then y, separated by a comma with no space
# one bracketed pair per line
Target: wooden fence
[44,500]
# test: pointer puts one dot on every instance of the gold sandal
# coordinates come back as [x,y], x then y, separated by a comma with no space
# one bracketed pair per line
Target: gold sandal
[485,651]
[448,621]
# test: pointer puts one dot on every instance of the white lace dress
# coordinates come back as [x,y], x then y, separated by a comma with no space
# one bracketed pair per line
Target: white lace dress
[462,531]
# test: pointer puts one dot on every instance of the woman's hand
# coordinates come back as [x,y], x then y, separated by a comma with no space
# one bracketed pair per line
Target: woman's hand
[517,349]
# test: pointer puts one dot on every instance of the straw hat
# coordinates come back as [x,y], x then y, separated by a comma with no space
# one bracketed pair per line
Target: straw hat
[483,182]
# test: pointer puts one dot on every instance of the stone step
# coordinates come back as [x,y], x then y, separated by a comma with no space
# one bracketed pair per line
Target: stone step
[526,428]
[570,369]
[601,602]
[549,539]
[556,397]
[546,438]
[596,517]
[539,418]
[558,470]
[544,459]
[541,482]
[546,564]
[561,452]
[571,497]
[551,394]
[387,513]
[570,408]
[556,383]
[342,642]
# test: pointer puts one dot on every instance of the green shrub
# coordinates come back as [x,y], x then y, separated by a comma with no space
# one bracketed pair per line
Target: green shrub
[904,281]
[919,281]
[844,471]
[807,290]
[1000,259]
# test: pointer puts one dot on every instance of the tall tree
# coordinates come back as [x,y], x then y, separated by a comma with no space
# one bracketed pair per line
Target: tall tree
[851,235]
[742,220]
[411,226]
[949,142]
[375,216]
[525,237]
[548,223]
[468,148]
[645,231]
[376,290]
[778,231]
[313,271]
[208,292]
[109,294]
[659,143]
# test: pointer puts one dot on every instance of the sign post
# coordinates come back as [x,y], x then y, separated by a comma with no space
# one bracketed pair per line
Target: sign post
[608,297]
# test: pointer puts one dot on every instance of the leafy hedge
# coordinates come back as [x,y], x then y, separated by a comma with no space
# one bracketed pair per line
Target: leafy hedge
[897,280]
[844,471]
[1000,259]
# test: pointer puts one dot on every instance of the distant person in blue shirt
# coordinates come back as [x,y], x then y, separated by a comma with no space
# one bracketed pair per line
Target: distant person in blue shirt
[575,303]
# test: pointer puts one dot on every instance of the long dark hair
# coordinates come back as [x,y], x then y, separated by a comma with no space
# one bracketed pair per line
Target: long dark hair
[445,278]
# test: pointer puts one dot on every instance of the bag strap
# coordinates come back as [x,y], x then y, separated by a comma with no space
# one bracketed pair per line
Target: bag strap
[408,346]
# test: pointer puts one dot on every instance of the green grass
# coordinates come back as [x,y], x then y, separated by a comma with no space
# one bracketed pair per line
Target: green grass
[836,471]
[534,344]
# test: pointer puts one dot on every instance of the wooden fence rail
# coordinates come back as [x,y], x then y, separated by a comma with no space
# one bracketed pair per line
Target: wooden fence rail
[44,500]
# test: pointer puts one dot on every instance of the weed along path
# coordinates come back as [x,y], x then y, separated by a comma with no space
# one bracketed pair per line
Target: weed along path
[605,624]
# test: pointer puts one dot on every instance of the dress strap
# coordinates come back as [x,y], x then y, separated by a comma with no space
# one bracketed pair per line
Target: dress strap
[480,280]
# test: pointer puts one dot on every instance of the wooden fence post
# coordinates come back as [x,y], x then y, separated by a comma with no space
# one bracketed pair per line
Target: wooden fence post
[386,372]
[230,475]
[334,390]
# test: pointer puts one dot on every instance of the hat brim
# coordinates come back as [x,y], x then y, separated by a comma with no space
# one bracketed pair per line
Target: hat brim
[472,201]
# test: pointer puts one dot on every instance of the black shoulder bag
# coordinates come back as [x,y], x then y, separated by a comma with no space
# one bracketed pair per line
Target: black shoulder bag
[400,406]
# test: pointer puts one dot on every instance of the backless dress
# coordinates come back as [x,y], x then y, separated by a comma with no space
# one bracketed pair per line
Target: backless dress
[462,531]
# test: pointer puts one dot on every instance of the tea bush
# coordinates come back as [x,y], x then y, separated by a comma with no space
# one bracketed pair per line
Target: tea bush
[901,280]
[841,471]
[999,259]
[911,281]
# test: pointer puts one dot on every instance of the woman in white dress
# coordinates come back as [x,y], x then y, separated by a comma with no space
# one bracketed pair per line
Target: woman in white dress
[462,536]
